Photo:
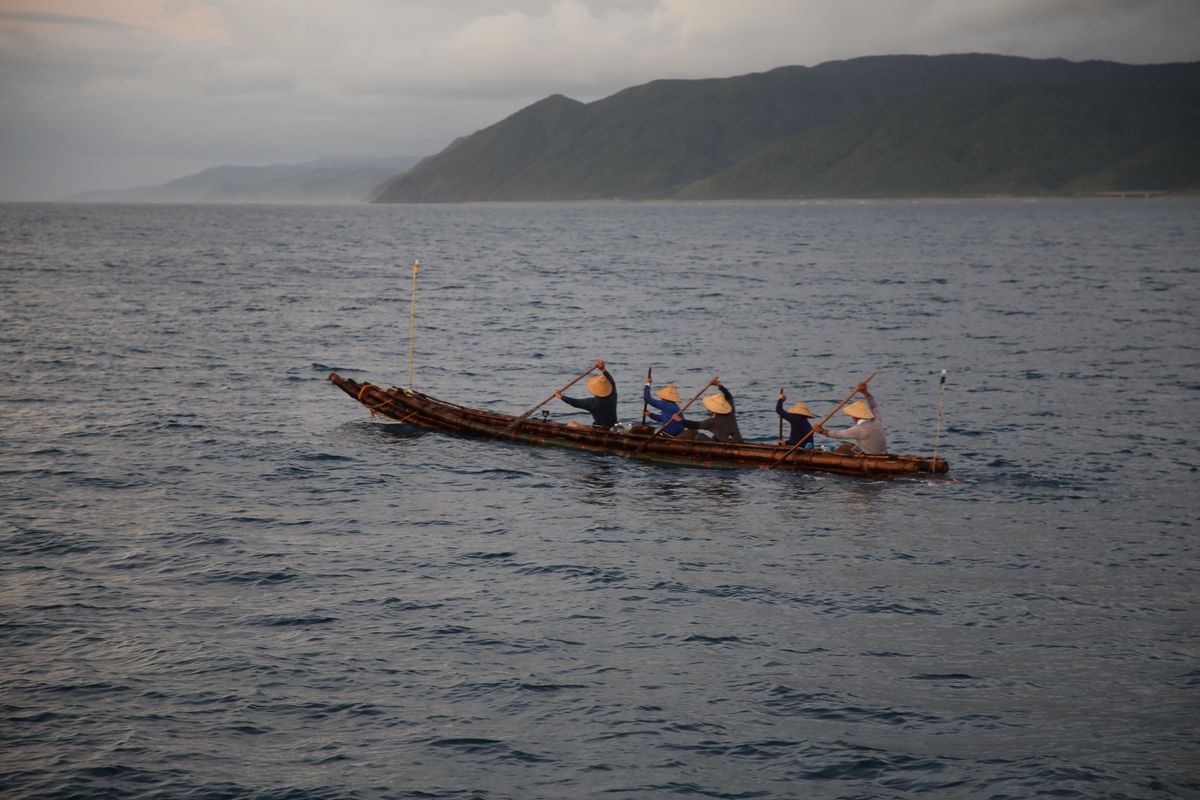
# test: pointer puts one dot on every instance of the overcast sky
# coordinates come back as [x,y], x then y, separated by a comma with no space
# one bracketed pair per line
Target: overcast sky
[118,93]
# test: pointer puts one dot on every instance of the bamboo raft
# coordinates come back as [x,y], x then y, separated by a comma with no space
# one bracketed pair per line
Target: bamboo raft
[422,411]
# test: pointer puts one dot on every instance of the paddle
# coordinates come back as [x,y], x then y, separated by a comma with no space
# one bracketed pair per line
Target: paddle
[781,396]
[820,424]
[677,415]
[513,425]
[645,405]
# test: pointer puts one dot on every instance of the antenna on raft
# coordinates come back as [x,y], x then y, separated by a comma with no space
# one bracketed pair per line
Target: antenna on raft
[412,322]
[937,440]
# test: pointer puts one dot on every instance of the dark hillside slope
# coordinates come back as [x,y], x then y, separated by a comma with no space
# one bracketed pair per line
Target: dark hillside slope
[878,126]
[998,140]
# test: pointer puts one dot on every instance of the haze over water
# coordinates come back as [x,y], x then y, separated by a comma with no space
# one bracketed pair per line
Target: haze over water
[221,577]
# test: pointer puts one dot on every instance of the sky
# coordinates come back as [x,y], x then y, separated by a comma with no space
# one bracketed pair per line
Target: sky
[107,94]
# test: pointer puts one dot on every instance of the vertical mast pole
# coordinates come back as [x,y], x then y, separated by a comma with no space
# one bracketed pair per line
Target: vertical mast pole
[412,322]
[937,440]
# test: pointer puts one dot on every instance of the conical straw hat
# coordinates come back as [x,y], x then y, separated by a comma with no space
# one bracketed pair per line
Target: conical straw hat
[668,392]
[801,409]
[859,410]
[599,386]
[717,404]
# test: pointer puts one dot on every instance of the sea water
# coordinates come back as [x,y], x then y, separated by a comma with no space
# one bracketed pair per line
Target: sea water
[221,577]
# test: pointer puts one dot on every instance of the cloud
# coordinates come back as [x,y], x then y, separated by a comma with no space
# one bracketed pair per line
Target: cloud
[274,80]
[60,19]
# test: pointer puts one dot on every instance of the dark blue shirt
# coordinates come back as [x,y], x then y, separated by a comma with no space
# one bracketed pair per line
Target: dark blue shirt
[603,409]
[800,425]
[668,410]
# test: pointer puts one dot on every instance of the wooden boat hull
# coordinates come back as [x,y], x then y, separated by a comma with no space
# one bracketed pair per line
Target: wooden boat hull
[423,411]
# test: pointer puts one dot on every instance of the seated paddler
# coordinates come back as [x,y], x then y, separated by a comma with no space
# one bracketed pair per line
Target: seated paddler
[797,417]
[666,400]
[602,404]
[722,425]
[867,434]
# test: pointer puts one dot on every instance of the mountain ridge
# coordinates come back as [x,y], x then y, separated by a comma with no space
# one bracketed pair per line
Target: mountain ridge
[327,180]
[877,126]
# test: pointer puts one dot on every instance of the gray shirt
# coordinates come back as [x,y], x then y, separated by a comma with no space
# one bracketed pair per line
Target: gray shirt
[868,434]
[723,427]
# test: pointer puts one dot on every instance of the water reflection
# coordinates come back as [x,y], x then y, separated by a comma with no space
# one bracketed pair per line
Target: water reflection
[863,498]
[599,483]
[808,495]
[721,492]
[656,489]
[694,492]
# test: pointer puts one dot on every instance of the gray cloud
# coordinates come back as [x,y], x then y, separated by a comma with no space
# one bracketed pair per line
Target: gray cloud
[60,19]
[114,100]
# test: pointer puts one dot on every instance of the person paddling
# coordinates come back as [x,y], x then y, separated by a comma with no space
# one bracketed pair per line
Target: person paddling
[723,423]
[798,417]
[603,402]
[666,400]
[867,433]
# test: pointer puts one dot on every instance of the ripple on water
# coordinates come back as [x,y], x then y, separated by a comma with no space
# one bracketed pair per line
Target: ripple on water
[222,578]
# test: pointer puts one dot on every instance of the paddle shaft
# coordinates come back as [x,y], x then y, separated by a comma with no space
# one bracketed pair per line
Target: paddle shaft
[677,415]
[781,417]
[518,420]
[820,424]
[645,405]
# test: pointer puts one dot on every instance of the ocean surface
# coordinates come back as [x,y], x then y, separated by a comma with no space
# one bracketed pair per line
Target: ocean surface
[220,577]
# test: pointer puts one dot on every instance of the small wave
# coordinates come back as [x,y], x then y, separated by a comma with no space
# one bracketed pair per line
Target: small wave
[172,425]
[317,710]
[59,606]
[116,484]
[98,688]
[252,577]
[409,605]
[286,622]
[14,716]
[700,638]
[190,539]
[895,608]
[489,472]
[323,457]
[33,541]
[1188,680]
[496,749]
[595,574]
[332,759]
[687,790]
[549,687]
[788,702]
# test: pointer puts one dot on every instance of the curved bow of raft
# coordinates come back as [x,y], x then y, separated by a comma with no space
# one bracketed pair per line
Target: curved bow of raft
[422,411]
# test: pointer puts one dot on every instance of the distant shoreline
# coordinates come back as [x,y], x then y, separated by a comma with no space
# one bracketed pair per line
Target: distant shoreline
[1139,194]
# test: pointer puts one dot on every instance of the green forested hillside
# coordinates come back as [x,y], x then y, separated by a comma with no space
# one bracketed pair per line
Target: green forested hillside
[870,127]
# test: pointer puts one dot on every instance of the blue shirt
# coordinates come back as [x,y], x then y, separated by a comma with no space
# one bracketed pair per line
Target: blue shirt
[668,410]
